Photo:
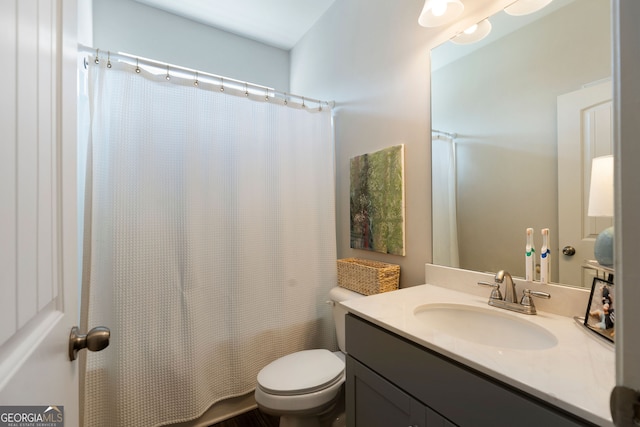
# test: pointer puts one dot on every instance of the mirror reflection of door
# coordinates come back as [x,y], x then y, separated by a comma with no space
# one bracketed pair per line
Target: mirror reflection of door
[584,132]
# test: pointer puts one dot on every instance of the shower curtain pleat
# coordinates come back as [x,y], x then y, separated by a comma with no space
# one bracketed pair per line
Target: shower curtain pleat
[444,196]
[212,243]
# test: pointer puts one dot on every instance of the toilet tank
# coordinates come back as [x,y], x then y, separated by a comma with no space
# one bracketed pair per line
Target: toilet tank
[336,295]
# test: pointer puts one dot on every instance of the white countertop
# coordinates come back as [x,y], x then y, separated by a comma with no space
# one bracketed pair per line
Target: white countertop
[577,374]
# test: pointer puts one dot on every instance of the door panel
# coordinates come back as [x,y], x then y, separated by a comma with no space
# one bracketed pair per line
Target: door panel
[375,402]
[38,255]
[8,309]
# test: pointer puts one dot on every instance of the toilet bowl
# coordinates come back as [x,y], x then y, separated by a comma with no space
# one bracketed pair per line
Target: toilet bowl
[306,388]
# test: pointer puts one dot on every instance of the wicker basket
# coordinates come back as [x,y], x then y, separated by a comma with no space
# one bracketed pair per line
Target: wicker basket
[367,277]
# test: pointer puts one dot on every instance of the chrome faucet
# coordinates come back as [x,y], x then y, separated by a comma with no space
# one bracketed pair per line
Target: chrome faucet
[510,301]
[509,287]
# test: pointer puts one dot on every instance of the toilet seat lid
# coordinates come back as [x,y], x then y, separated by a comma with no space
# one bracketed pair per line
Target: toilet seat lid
[301,372]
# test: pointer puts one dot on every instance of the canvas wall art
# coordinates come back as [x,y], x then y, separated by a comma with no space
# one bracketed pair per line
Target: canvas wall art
[377,201]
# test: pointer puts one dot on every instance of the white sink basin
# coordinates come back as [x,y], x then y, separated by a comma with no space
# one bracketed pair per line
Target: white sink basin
[486,326]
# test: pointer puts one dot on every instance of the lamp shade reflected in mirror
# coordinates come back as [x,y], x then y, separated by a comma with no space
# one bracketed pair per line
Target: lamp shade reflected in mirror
[601,205]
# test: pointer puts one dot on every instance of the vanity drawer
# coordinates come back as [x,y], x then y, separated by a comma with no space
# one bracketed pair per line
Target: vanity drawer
[461,394]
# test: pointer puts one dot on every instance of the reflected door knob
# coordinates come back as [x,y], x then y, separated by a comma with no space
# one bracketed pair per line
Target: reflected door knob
[97,339]
[569,251]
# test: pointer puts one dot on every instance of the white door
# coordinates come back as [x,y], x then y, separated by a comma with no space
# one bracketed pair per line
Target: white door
[626,33]
[584,132]
[38,226]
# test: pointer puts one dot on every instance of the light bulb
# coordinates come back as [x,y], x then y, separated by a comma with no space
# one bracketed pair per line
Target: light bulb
[474,33]
[440,12]
[439,8]
[472,29]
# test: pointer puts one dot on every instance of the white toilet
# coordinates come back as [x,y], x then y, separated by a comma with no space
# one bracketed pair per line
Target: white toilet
[305,389]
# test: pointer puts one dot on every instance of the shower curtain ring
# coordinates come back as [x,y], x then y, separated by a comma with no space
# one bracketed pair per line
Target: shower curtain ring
[221,84]
[246,89]
[108,59]
[97,60]
[137,66]
[168,77]
[195,83]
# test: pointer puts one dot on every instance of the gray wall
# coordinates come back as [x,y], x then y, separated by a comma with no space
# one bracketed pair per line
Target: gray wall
[372,58]
[501,100]
[137,29]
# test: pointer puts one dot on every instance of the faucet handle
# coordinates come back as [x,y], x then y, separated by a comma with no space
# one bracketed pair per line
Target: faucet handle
[495,293]
[528,293]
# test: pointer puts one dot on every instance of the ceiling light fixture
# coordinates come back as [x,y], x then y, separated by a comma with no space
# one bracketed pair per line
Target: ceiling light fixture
[525,7]
[474,33]
[440,12]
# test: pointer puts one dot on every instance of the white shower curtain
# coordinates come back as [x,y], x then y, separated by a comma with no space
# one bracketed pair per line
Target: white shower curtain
[444,200]
[209,242]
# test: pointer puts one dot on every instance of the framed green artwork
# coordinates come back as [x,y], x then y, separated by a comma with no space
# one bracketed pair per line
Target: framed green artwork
[377,201]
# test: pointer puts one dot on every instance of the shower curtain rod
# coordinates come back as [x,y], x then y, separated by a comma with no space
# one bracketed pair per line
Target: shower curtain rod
[451,135]
[223,81]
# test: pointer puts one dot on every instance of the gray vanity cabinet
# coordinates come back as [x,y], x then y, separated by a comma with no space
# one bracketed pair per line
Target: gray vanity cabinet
[375,402]
[392,382]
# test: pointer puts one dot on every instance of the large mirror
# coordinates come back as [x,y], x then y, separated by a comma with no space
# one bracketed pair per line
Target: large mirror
[495,133]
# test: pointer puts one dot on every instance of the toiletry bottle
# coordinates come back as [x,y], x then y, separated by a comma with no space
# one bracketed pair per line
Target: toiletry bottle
[530,257]
[545,258]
